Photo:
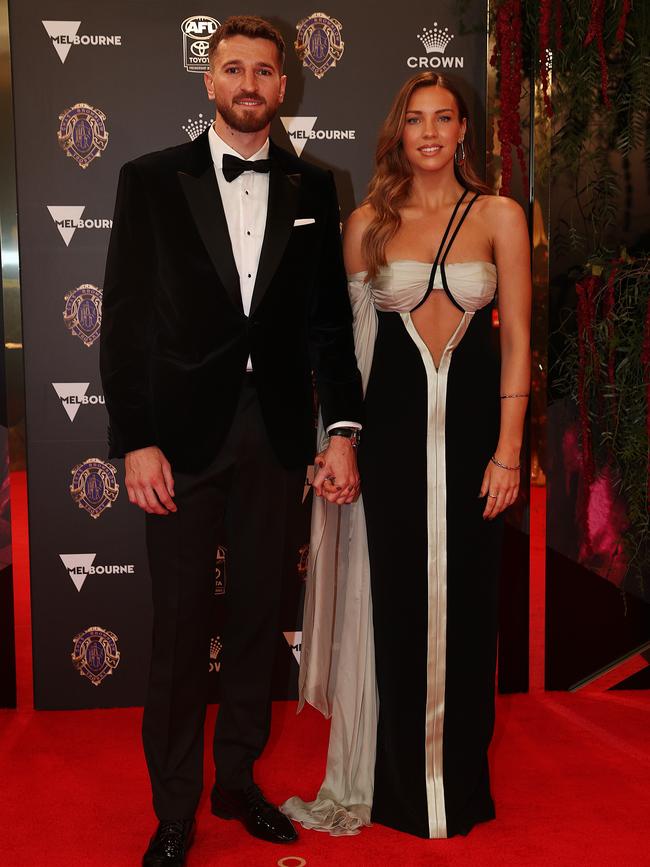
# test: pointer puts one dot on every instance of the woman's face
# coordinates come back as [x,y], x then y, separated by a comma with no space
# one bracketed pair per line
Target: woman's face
[432,128]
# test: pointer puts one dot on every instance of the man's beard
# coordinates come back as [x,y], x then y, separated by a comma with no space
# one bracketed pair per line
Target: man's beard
[246,120]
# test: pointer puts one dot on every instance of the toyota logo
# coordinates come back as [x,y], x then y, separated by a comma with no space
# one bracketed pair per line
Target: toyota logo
[199,48]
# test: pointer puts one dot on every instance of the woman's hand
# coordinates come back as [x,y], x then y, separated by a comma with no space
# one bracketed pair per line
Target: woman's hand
[501,487]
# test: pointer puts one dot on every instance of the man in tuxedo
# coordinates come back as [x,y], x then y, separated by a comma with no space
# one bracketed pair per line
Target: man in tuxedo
[224,299]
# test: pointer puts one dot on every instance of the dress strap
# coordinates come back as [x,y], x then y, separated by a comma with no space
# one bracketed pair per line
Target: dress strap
[443,273]
[460,223]
[434,269]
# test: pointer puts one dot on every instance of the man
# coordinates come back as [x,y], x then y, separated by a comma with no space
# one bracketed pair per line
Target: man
[224,291]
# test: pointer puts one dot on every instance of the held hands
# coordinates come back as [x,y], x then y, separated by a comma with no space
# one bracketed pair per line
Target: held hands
[500,487]
[149,481]
[337,477]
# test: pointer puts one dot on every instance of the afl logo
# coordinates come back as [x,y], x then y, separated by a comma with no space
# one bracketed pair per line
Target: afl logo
[197,31]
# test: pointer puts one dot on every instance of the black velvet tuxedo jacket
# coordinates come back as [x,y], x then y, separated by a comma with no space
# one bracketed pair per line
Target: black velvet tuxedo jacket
[175,339]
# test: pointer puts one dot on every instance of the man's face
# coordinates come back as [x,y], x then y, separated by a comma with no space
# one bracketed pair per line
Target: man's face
[246,82]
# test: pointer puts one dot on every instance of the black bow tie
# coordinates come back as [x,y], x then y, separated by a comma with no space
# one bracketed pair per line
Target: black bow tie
[233,167]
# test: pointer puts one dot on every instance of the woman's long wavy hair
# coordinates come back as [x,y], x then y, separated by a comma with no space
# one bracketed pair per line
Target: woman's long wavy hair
[391,183]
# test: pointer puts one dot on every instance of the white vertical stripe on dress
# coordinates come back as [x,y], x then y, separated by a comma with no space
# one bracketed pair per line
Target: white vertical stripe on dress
[437,569]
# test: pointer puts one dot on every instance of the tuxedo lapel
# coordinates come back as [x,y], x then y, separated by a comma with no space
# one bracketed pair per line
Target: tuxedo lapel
[284,192]
[204,200]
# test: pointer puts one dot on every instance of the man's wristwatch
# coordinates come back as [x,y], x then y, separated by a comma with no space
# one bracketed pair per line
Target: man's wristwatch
[351,433]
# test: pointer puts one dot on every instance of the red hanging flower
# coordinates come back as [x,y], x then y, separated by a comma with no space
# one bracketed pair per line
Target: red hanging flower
[622,21]
[595,33]
[508,53]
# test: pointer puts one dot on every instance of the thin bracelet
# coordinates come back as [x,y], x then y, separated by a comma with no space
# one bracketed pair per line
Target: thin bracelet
[503,466]
[516,394]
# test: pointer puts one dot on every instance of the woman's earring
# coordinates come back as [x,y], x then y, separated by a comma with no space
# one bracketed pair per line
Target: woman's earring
[460,159]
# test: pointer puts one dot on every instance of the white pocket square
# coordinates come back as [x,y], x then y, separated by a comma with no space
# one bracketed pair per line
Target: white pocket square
[304,221]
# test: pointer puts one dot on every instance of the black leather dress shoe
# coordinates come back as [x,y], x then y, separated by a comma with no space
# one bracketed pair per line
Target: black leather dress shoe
[169,845]
[259,817]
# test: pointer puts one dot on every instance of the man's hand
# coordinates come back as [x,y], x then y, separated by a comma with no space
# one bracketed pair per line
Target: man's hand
[337,477]
[149,481]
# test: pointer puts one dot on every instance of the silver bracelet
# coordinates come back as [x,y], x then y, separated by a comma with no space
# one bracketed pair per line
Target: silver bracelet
[503,466]
[516,394]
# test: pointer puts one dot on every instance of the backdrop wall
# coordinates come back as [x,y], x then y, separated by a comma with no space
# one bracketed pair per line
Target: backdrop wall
[96,85]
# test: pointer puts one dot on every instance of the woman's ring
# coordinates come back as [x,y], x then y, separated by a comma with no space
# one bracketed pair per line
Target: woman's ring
[493,496]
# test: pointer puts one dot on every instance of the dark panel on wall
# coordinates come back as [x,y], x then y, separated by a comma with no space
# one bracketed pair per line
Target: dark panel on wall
[590,622]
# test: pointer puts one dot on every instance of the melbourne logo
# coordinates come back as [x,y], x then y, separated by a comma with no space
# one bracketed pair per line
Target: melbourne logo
[95,654]
[294,640]
[301,130]
[319,45]
[194,127]
[80,566]
[197,31]
[83,313]
[94,486]
[64,34]
[435,41]
[82,133]
[73,395]
[67,219]
[216,646]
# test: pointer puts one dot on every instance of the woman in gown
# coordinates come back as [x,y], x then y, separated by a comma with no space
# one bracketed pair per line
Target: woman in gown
[400,626]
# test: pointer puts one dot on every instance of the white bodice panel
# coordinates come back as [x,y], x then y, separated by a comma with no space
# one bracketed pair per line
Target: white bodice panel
[401,285]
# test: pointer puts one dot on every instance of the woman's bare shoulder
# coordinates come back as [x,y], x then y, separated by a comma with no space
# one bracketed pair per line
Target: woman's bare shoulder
[499,207]
[353,232]
[360,219]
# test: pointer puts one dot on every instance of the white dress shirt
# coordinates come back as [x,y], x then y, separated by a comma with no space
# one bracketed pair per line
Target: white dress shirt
[245,204]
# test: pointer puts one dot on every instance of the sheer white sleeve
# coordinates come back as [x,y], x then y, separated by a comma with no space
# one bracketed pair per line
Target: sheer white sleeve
[337,664]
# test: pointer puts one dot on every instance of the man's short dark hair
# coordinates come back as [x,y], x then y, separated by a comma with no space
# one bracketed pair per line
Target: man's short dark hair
[250,26]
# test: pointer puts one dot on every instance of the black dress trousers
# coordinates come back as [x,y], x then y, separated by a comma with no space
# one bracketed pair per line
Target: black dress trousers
[245,496]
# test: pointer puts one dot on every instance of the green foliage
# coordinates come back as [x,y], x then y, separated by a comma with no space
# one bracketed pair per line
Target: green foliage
[617,411]
[591,145]
[587,134]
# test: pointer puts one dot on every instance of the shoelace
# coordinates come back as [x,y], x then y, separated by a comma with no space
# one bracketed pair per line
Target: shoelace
[172,837]
[255,798]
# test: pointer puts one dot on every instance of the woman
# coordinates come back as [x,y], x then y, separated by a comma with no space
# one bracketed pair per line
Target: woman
[439,461]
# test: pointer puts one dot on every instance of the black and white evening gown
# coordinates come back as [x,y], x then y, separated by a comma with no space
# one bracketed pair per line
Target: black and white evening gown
[400,625]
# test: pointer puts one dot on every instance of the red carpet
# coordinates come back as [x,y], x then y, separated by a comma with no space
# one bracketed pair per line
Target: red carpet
[570,779]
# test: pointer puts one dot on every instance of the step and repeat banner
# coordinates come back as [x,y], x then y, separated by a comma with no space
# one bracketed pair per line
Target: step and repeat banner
[96,85]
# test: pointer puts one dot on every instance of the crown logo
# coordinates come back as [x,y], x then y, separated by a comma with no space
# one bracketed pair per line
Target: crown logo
[194,128]
[435,40]
[216,646]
